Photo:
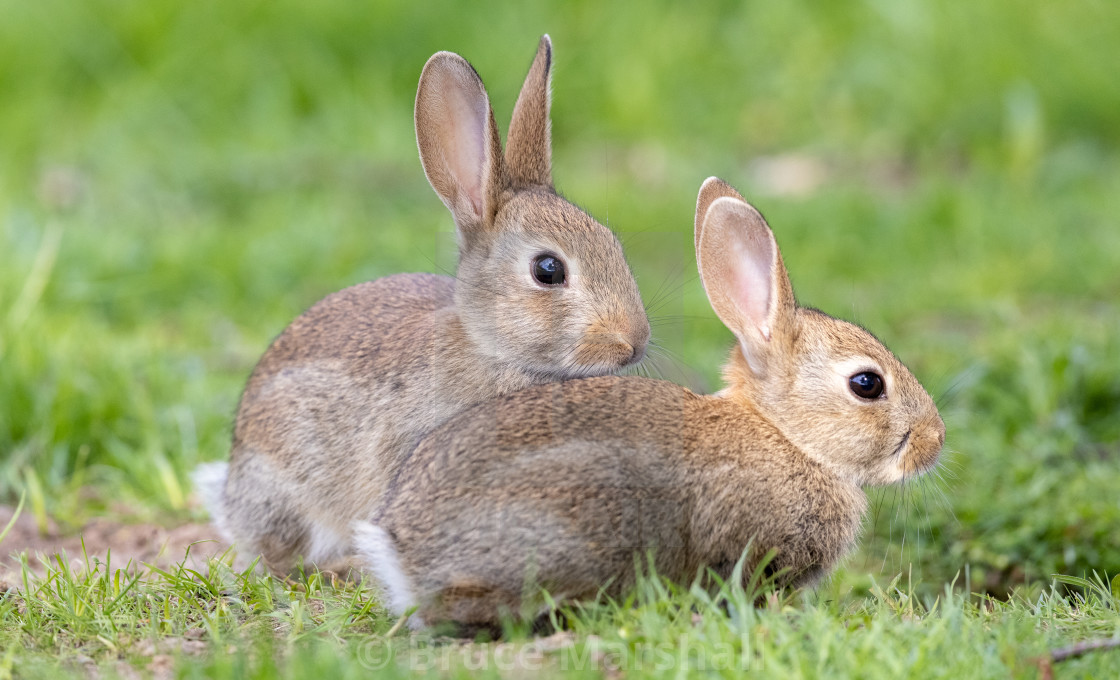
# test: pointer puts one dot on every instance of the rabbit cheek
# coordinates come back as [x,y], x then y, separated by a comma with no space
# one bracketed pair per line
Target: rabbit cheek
[872,449]
[542,332]
[817,413]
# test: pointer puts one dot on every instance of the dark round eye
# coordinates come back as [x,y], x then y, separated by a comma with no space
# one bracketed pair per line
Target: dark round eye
[548,270]
[866,385]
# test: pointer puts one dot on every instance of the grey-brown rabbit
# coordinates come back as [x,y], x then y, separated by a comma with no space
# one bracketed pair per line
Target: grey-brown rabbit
[542,293]
[559,485]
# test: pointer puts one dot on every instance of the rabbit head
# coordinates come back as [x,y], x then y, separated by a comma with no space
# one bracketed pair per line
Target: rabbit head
[541,285]
[830,386]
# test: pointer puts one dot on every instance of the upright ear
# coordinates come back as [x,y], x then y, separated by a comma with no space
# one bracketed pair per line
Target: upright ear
[458,140]
[710,190]
[744,277]
[529,147]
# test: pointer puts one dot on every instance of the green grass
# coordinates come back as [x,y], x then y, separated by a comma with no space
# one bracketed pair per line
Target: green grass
[179,180]
[217,622]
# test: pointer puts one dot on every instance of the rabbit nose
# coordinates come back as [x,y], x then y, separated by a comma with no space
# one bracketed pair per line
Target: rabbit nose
[938,427]
[628,352]
[637,352]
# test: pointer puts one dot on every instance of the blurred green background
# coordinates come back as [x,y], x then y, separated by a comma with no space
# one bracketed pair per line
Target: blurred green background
[179,180]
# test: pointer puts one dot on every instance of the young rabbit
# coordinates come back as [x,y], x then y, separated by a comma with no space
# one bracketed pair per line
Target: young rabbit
[558,486]
[542,293]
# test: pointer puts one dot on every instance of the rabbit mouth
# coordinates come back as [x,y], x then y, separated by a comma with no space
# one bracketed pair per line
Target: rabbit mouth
[569,371]
[901,445]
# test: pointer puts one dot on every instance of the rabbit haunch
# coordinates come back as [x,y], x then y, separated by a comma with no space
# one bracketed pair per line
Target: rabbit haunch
[350,386]
[559,486]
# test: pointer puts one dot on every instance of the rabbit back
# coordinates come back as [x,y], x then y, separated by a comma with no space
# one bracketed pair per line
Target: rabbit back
[579,478]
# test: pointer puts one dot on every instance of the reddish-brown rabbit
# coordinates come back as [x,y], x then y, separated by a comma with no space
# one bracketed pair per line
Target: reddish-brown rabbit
[542,293]
[559,485]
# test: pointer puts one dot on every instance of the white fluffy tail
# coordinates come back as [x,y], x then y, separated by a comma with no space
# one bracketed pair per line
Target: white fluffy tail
[210,482]
[376,549]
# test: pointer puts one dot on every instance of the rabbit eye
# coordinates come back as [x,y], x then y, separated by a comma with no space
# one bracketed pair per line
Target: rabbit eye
[866,385]
[548,270]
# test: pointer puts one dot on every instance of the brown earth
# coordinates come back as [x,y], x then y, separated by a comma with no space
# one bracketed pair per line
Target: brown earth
[138,543]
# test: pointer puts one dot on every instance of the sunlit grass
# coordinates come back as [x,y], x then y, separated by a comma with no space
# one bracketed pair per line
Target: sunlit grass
[215,621]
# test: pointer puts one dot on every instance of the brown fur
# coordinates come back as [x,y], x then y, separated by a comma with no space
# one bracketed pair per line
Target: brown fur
[351,385]
[560,486]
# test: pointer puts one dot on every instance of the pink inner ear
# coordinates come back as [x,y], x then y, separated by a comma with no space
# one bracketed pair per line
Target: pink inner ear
[751,278]
[464,142]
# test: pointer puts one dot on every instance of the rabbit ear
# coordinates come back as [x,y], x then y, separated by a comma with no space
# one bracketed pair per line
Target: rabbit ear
[710,190]
[458,139]
[529,146]
[744,276]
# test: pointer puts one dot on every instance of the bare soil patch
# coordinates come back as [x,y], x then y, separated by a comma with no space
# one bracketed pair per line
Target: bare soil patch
[135,543]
